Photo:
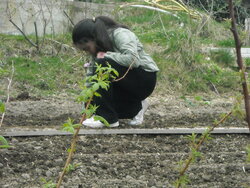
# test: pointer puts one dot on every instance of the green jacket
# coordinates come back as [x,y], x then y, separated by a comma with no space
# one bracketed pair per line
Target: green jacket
[128,49]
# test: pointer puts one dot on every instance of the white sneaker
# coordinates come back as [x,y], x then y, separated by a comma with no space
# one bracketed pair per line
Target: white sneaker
[97,124]
[138,119]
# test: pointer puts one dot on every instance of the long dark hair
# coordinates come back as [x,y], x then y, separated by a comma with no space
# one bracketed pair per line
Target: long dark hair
[95,29]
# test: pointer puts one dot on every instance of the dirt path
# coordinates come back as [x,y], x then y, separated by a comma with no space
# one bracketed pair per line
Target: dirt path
[163,112]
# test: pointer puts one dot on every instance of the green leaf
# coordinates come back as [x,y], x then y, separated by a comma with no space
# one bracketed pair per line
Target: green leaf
[68,126]
[4,143]
[96,118]
[69,150]
[95,87]
[3,140]
[77,125]
[2,107]
[89,93]
[207,102]
[192,137]
[97,94]
[69,129]
[198,98]
[115,72]
[103,85]
[48,184]
[4,146]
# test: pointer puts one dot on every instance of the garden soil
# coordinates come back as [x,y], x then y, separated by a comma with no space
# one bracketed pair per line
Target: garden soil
[123,160]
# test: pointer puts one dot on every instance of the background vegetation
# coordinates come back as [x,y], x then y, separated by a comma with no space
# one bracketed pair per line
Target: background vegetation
[179,45]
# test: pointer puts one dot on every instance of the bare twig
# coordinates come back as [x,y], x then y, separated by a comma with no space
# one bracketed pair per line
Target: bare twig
[37,39]
[71,21]
[25,36]
[238,45]
[8,91]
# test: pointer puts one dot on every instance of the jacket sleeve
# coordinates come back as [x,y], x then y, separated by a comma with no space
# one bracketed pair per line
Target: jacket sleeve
[126,44]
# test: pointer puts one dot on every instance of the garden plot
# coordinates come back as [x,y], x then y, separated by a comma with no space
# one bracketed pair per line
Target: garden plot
[124,161]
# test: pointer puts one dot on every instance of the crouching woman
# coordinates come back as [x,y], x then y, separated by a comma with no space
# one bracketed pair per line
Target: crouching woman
[107,41]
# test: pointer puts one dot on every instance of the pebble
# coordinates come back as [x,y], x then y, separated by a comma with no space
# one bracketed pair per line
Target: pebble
[38,171]
[58,162]
[207,178]
[48,174]
[26,176]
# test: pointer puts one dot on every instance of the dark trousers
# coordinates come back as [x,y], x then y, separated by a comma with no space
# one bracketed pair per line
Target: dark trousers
[123,98]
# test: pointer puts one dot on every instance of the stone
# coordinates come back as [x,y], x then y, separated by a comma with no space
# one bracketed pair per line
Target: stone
[26,176]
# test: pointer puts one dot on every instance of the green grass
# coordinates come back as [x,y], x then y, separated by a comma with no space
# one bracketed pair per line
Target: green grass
[223,57]
[176,49]
[226,43]
[175,45]
[49,74]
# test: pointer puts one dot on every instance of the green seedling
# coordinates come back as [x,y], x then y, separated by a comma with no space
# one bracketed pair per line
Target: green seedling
[90,87]
[48,183]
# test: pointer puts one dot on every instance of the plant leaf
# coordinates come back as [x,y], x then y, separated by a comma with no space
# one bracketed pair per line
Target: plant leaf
[2,107]
[100,118]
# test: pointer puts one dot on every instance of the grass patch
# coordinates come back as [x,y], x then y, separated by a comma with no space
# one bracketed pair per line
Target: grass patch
[175,44]
[223,57]
[49,74]
[226,43]
[176,47]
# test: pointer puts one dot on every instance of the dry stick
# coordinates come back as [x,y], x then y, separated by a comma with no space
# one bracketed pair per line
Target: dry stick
[238,45]
[8,91]
[71,21]
[37,40]
[72,148]
[197,147]
[32,43]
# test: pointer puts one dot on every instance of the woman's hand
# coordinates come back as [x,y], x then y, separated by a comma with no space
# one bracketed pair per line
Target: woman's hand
[100,55]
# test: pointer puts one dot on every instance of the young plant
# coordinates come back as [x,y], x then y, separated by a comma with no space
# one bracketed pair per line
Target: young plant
[48,183]
[4,143]
[195,145]
[90,87]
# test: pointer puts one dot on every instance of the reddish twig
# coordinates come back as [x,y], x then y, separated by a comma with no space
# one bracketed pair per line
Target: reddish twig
[238,45]
[197,147]
[118,79]
[72,148]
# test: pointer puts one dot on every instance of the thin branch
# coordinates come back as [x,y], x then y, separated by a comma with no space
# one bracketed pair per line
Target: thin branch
[8,91]
[37,39]
[71,21]
[25,36]
[72,148]
[200,142]
[238,45]
[130,66]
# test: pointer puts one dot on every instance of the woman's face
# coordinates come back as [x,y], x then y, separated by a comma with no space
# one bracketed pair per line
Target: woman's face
[88,46]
